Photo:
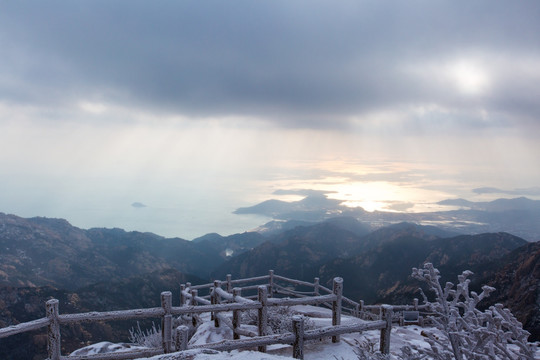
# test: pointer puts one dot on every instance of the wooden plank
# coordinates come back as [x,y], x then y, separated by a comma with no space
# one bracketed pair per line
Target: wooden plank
[23,327]
[301,301]
[321,287]
[343,329]
[111,315]
[202,286]
[253,279]
[228,345]
[280,288]
[197,309]
[293,281]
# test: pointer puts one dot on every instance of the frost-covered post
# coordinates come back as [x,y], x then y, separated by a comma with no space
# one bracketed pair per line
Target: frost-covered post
[236,314]
[336,305]
[415,304]
[270,283]
[316,286]
[182,334]
[194,294]
[298,331]
[216,300]
[262,314]
[182,289]
[53,333]
[387,313]
[229,283]
[166,321]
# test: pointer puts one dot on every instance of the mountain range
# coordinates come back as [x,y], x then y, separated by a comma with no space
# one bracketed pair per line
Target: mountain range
[518,216]
[105,269]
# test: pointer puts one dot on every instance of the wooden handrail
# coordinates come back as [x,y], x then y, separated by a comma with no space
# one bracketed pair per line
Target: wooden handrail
[233,302]
[24,327]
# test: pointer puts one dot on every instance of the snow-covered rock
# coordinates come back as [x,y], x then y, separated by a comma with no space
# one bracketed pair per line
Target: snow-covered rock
[105,347]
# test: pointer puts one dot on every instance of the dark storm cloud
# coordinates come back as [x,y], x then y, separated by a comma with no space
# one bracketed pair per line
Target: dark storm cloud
[298,63]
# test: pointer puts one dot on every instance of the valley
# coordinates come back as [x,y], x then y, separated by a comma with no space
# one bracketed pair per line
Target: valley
[110,269]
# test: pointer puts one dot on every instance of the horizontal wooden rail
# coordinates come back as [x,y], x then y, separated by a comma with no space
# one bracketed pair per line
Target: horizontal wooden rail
[24,327]
[250,287]
[198,309]
[293,292]
[228,345]
[302,301]
[231,297]
[343,329]
[253,279]
[295,282]
[111,315]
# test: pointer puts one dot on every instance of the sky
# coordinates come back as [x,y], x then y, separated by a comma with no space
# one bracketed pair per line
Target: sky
[166,116]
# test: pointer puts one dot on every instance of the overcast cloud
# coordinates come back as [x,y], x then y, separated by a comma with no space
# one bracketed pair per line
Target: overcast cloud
[300,63]
[176,103]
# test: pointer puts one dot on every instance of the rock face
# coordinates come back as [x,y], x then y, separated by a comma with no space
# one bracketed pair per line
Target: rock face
[517,280]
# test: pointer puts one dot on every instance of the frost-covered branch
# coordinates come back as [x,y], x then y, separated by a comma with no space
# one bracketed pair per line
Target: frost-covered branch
[468,332]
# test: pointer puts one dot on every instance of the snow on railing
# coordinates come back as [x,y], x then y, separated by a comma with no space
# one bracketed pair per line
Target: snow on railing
[216,302]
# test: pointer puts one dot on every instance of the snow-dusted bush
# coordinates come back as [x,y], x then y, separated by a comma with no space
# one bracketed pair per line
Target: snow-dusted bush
[367,349]
[468,332]
[279,319]
[150,338]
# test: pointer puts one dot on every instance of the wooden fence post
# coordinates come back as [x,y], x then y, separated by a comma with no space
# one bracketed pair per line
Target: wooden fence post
[316,286]
[236,314]
[53,333]
[194,294]
[298,331]
[271,283]
[262,314]
[216,300]
[336,305]
[387,313]
[182,334]
[229,283]
[415,304]
[166,322]
[182,289]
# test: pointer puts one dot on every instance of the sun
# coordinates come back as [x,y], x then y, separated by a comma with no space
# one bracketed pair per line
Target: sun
[469,77]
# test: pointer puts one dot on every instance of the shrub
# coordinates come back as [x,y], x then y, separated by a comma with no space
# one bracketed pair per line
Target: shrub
[279,319]
[150,338]
[468,333]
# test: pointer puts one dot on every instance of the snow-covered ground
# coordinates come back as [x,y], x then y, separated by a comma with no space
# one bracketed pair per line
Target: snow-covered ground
[313,350]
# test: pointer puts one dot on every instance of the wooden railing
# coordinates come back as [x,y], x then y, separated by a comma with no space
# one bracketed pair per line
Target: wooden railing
[217,301]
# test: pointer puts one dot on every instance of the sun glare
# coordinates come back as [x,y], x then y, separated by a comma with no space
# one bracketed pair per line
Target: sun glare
[469,77]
